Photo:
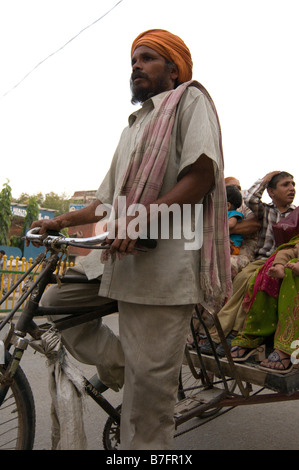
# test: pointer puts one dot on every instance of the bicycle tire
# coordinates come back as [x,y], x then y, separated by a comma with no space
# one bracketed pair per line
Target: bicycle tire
[17,413]
[111,433]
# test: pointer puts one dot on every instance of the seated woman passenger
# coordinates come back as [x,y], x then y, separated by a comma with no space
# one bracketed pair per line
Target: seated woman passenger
[272,305]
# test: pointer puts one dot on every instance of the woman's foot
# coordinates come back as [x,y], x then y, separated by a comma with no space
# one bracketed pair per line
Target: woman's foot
[278,361]
[237,352]
[240,354]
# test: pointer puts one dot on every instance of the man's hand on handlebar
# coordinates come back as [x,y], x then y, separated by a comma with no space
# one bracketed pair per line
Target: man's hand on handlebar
[119,235]
[44,225]
[120,241]
[47,224]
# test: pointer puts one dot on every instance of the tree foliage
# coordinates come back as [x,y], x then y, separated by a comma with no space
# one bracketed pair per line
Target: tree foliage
[60,203]
[5,213]
[32,213]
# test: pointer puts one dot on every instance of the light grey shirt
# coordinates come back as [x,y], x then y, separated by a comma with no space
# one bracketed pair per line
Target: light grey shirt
[168,274]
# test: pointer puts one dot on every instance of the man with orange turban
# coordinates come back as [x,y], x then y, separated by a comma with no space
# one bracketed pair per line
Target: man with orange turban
[171,47]
[169,155]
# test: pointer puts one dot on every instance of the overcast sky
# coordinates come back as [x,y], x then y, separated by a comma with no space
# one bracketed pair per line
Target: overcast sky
[60,125]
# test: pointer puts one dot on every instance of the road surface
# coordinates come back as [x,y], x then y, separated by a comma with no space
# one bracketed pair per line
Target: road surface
[255,427]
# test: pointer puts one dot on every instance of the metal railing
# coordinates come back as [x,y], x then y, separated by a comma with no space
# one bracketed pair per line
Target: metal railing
[10,272]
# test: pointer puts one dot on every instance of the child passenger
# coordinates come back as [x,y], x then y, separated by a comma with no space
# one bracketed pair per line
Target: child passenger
[282,261]
[234,201]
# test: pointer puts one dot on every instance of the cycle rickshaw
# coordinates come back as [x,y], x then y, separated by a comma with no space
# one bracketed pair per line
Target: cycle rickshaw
[208,386]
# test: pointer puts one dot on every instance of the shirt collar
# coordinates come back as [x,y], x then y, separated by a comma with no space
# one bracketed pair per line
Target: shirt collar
[290,208]
[147,106]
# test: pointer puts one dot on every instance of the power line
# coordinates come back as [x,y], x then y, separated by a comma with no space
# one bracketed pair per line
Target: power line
[60,48]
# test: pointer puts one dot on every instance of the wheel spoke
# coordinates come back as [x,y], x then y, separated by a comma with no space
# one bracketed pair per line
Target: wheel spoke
[17,414]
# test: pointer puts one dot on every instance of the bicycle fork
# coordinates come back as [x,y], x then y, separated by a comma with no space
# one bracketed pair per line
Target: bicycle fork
[6,378]
[17,337]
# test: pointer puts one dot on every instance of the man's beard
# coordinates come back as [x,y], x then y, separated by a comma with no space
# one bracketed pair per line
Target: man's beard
[141,94]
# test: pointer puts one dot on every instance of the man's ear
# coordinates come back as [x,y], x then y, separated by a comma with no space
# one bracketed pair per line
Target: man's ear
[270,192]
[174,73]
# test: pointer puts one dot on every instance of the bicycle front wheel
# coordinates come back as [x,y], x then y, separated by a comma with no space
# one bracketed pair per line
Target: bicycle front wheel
[17,412]
[111,433]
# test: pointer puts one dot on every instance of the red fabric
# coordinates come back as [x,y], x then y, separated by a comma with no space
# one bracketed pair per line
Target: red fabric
[263,282]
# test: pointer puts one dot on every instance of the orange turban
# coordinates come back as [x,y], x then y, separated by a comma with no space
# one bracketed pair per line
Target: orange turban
[169,46]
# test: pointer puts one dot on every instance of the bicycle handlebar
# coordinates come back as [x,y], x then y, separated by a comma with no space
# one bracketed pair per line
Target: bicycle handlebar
[51,236]
[59,239]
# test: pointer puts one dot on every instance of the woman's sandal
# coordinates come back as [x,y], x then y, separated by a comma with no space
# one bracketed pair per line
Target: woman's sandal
[258,353]
[275,357]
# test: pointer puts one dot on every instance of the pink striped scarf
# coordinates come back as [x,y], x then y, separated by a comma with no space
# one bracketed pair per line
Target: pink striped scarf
[143,181]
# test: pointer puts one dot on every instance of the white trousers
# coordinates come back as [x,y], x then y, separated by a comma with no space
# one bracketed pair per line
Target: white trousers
[146,358]
[153,339]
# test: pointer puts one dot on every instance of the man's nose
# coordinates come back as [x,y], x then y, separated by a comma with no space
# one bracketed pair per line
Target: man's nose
[137,65]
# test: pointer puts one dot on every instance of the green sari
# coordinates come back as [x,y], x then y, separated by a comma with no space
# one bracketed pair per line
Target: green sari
[272,313]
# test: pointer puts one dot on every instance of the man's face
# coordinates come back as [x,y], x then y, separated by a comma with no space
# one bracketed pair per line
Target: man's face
[150,74]
[284,192]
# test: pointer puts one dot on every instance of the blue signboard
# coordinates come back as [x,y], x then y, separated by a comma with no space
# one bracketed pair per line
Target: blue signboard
[20,210]
[76,207]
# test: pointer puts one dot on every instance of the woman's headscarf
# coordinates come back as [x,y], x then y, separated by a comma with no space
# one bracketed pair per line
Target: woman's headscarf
[169,46]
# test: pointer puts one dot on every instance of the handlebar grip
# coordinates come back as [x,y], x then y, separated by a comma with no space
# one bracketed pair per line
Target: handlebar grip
[54,233]
[147,242]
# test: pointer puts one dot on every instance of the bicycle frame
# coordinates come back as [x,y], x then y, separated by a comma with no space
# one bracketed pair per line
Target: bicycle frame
[17,335]
[74,316]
